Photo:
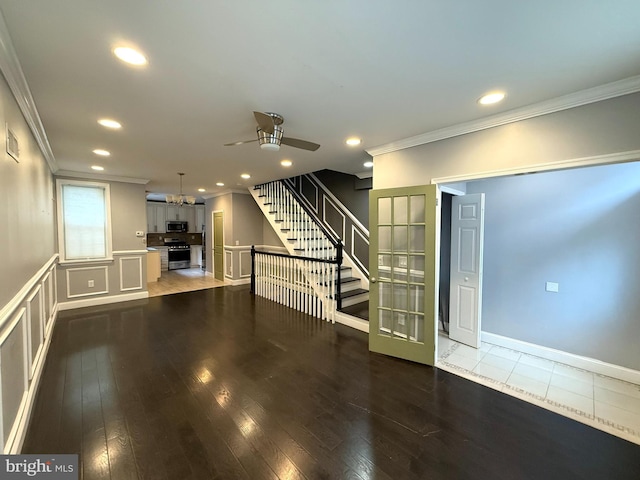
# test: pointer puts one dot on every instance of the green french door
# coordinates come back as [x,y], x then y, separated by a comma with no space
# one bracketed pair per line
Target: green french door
[402,285]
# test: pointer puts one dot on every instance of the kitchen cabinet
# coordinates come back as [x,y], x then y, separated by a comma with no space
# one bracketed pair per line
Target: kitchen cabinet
[158,214]
[196,255]
[199,218]
[156,217]
[164,258]
[154,265]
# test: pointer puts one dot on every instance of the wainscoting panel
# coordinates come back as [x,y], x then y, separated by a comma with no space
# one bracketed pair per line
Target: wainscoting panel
[35,326]
[130,273]
[245,264]
[13,371]
[228,262]
[24,342]
[87,281]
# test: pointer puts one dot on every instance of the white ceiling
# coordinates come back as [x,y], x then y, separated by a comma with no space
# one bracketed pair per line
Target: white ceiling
[380,70]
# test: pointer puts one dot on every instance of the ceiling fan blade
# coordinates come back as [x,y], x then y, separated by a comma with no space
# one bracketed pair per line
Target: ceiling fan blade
[265,122]
[239,143]
[297,143]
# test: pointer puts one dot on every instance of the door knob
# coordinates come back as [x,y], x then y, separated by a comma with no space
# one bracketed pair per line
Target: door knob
[373,279]
[466,279]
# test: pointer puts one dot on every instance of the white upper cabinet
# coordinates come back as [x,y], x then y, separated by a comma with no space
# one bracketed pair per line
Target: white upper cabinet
[158,214]
[199,219]
[156,217]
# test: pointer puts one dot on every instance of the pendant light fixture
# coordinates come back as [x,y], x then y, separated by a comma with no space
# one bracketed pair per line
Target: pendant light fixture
[180,199]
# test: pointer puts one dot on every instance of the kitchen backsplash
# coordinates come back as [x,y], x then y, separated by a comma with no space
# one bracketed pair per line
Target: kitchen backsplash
[157,239]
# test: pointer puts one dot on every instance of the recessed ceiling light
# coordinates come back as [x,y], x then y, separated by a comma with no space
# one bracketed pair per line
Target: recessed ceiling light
[130,55]
[286,163]
[97,167]
[368,164]
[201,190]
[245,176]
[490,98]
[107,122]
[220,184]
[352,142]
[102,153]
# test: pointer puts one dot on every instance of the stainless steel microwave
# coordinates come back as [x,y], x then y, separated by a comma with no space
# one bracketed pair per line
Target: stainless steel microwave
[174,226]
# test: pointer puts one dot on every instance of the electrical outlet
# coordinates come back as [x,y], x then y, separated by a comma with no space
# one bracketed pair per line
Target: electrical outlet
[90,283]
[139,233]
[551,287]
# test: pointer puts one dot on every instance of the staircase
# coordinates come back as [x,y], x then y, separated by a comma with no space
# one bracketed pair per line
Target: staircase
[304,236]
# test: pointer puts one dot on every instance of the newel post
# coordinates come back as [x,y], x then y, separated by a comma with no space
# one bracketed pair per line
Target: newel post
[339,262]
[253,269]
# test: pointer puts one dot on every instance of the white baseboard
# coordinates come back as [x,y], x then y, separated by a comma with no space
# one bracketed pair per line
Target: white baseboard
[92,302]
[577,361]
[239,281]
[353,322]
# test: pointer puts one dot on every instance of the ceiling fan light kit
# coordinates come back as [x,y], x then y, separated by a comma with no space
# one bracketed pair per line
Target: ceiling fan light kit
[270,134]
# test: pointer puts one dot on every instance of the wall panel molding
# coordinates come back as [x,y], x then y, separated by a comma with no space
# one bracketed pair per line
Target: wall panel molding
[69,273]
[137,262]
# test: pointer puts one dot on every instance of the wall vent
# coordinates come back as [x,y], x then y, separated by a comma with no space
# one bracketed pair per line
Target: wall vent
[13,148]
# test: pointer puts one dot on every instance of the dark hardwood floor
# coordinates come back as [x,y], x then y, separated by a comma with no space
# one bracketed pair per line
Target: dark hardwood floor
[215,384]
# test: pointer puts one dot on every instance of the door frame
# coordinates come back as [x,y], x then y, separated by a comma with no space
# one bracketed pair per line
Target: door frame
[450,184]
[213,232]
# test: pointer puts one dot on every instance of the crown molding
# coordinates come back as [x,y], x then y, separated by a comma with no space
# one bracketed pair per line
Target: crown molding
[225,192]
[97,176]
[13,74]
[565,102]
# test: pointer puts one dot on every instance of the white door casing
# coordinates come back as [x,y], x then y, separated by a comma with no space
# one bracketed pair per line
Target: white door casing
[467,238]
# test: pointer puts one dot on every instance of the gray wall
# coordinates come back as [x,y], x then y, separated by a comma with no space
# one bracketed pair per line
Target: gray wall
[578,228]
[244,225]
[343,186]
[27,208]
[596,129]
[122,275]
[606,127]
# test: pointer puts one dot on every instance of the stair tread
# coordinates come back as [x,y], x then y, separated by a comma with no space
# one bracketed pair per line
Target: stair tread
[353,293]
[360,310]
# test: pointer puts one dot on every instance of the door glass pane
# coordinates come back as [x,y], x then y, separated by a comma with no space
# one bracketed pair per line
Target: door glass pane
[417,208]
[399,238]
[384,239]
[384,295]
[416,268]
[416,298]
[384,210]
[416,239]
[384,266]
[384,321]
[399,296]
[399,210]
[416,328]
[400,324]
[400,268]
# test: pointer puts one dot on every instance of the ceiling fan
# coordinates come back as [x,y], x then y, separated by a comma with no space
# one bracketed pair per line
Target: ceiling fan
[270,134]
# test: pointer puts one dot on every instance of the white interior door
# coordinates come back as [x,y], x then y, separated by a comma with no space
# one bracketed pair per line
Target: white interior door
[467,236]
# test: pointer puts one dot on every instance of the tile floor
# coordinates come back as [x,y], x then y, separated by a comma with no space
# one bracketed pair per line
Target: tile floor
[603,402]
[183,280]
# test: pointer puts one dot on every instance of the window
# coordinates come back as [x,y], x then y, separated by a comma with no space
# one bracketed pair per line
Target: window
[84,221]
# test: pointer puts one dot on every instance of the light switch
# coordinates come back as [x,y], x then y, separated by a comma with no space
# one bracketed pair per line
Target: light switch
[551,287]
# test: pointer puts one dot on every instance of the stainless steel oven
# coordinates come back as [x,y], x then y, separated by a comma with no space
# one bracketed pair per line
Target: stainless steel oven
[179,253]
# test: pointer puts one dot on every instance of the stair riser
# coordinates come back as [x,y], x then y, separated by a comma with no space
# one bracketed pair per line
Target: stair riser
[347,302]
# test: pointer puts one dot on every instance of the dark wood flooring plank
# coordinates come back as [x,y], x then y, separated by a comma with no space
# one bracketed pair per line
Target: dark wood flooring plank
[217,384]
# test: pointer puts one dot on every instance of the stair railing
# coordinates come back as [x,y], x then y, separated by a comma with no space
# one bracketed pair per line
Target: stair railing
[309,285]
[314,245]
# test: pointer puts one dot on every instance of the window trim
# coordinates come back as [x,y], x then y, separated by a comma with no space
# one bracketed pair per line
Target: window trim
[60,183]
